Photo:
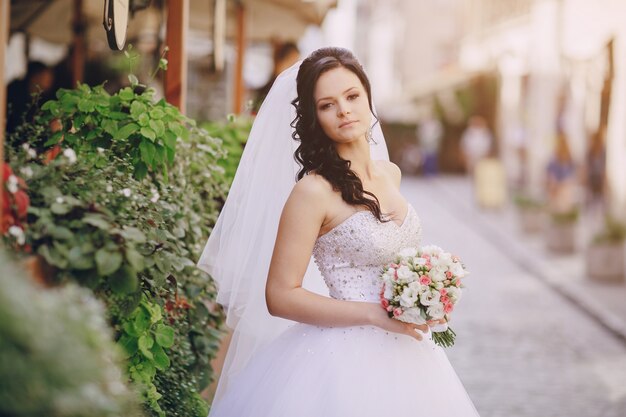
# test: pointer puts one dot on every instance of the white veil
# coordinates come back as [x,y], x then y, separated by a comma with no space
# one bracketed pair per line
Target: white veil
[238,252]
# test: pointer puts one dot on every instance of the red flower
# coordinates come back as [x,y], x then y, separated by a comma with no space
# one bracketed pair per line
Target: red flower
[21,202]
[6,172]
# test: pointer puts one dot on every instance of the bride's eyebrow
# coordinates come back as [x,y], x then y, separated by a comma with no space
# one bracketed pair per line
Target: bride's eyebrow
[324,98]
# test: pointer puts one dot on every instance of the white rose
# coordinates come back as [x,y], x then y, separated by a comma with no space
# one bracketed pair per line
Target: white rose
[454,293]
[435,311]
[438,274]
[432,250]
[430,297]
[457,269]
[419,261]
[408,297]
[405,274]
[412,315]
[415,286]
[439,285]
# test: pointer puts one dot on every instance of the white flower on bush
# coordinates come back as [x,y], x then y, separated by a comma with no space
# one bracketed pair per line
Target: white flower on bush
[27,172]
[412,315]
[436,311]
[12,184]
[126,192]
[29,151]
[430,297]
[59,200]
[18,234]
[100,150]
[70,155]
[155,196]
[109,188]
[405,274]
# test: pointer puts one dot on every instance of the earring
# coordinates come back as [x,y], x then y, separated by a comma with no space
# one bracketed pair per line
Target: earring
[370,136]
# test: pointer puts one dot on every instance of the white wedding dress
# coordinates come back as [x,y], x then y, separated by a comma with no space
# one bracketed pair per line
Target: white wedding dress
[359,371]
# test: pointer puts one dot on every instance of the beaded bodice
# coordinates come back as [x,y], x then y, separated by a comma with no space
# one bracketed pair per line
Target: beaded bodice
[352,254]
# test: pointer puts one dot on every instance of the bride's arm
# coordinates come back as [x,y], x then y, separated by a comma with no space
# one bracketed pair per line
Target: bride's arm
[300,222]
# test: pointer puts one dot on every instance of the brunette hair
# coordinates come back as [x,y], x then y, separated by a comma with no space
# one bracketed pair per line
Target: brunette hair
[316,151]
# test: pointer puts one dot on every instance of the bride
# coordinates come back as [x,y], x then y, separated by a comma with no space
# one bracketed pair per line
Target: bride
[303,347]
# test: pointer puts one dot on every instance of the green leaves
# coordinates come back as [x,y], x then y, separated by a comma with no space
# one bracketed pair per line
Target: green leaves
[165,336]
[108,261]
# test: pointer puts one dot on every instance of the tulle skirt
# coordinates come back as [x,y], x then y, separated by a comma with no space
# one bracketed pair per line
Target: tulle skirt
[360,371]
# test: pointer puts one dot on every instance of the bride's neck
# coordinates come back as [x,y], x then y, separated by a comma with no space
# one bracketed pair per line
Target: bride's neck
[360,161]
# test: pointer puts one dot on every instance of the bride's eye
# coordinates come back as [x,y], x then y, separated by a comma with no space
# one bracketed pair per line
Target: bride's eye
[325,106]
[353,96]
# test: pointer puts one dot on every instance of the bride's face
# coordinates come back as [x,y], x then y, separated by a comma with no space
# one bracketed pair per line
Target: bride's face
[341,105]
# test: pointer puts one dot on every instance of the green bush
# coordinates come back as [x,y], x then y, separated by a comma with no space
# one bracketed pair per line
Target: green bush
[57,354]
[234,133]
[129,223]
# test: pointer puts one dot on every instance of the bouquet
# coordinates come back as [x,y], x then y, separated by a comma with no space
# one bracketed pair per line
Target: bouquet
[423,284]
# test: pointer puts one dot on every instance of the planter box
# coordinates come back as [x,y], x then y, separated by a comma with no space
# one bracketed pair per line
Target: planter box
[561,237]
[531,220]
[605,262]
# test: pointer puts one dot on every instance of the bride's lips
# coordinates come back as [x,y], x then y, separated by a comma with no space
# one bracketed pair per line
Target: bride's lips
[347,123]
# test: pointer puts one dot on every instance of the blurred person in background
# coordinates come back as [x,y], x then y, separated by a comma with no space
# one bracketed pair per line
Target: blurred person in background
[562,178]
[39,79]
[476,142]
[285,55]
[430,134]
[595,173]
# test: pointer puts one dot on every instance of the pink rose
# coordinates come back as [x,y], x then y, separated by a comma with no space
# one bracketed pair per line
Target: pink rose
[448,307]
[448,274]
[397,312]
[390,308]
[384,303]
[424,280]
[443,291]
[444,299]
[458,283]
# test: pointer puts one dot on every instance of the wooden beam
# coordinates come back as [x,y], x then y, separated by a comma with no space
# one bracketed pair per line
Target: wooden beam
[5,8]
[176,38]
[241,48]
[78,43]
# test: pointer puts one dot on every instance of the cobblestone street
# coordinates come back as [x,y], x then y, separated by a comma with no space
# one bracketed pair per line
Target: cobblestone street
[523,350]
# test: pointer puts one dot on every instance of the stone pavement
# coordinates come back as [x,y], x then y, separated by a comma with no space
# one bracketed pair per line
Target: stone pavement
[525,346]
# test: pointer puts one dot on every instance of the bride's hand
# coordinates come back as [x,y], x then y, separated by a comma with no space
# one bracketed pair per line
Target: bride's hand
[379,318]
[433,323]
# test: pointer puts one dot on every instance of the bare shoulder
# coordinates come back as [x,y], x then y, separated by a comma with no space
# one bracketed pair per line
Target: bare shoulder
[392,170]
[310,195]
[312,186]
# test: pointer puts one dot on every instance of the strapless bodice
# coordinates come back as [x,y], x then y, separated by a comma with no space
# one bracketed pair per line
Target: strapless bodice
[351,256]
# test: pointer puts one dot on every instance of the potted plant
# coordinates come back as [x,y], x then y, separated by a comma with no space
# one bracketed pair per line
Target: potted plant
[530,212]
[606,252]
[561,231]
